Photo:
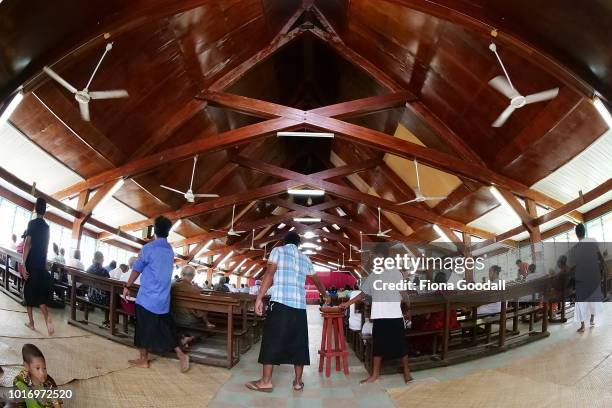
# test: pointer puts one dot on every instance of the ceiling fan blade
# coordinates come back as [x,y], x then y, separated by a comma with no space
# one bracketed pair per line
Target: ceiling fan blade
[542,96]
[408,202]
[372,234]
[84,108]
[239,232]
[117,93]
[434,198]
[206,195]
[172,189]
[501,84]
[386,232]
[501,119]
[59,79]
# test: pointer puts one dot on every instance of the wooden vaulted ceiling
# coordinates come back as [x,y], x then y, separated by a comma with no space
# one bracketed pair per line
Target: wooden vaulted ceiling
[184,62]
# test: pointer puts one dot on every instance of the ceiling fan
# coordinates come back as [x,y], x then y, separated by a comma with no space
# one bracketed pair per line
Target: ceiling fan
[189,196]
[252,248]
[84,96]
[419,197]
[231,231]
[361,250]
[265,251]
[503,85]
[380,233]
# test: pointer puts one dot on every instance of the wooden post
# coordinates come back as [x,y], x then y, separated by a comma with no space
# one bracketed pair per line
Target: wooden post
[446,334]
[73,299]
[502,324]
[230,336]
[113,310]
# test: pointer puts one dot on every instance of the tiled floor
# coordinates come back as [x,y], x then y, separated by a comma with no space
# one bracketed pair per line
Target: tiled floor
[340,391]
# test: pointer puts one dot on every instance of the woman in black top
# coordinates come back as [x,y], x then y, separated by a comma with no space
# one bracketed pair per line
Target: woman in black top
[37,288]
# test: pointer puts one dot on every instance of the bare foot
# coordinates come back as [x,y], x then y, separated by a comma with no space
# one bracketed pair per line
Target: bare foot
[580,330]
[50,328]
[184,363]
[370,379]
[30,326]
[140,363]
[408,379]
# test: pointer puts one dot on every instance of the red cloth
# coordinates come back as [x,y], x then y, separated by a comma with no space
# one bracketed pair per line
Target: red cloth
[436,321]
[337,279]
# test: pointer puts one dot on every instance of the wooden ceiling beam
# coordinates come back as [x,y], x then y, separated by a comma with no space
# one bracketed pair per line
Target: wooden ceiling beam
[211,143]
[364,106]
[559,212]
[357,196]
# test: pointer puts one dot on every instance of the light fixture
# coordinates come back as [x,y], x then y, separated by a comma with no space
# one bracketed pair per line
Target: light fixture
[336,227]
[309,252]
[10,107]
[305,192]
[358,274]
[305,134]
[310,245]
[256,274]
[601,108]
[225,258]
[240,264]
[441,233]
[249,270]
[306,219]
[281,226]
[333,263]
[502,200]
[309,235]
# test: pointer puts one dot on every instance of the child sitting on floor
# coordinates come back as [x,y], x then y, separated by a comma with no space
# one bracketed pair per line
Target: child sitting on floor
[34,376]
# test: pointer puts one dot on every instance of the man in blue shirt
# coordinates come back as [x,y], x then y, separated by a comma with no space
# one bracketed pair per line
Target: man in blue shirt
[154,325]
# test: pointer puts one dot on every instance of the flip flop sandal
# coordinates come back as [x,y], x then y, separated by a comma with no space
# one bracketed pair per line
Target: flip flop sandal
[252,385]
[298,387]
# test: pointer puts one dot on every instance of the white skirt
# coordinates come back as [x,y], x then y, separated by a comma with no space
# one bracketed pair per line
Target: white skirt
[584,310]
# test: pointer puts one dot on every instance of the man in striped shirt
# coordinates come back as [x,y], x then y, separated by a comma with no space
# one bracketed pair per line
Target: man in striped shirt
[285,334]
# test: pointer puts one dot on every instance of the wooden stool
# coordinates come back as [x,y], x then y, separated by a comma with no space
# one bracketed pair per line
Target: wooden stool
[333,326]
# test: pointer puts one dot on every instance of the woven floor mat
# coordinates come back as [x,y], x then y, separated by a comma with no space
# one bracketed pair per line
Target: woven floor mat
[162,385]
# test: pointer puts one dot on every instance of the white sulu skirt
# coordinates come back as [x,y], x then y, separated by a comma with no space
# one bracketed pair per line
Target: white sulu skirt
[584,310]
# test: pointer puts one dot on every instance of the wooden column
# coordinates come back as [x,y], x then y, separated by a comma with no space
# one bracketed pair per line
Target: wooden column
[77,226]
[467,244]
[209,275]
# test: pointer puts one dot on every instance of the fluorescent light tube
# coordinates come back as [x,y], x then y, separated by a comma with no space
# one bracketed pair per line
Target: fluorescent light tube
[306,219]
[305,192]
[305,134]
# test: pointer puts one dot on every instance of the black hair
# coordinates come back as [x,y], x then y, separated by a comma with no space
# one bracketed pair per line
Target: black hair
[162,226]
[41,206]
[496,269]
[124,267]
[113,264]
[55,249]
[440,277]
[382,249]
[292,237]
[77,254]
[580,231]
[29,352]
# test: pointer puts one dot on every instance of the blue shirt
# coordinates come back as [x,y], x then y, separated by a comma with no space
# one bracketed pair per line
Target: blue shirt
[292,267]
[155,264]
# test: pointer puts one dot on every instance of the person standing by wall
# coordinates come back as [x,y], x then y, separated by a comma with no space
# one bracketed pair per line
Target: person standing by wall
[585,260]
[37,288]
[285,332]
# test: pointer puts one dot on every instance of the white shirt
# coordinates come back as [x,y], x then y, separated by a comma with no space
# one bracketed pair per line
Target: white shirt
[124,277]
[354,317]
[116,273]
[231,288]
[386,304]
[490,308]
[254,290]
